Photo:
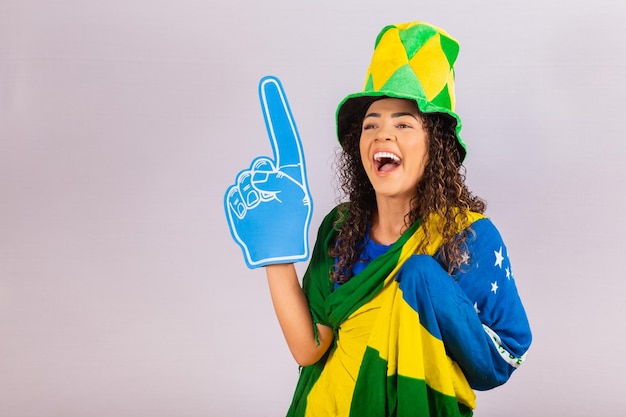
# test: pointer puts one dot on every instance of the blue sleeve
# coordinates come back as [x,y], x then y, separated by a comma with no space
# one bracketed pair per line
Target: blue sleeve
[488,286]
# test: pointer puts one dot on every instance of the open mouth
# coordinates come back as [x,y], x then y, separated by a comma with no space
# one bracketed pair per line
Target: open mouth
[386,161]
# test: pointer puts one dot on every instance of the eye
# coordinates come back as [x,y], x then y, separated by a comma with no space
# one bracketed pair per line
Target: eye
[368,126]
[403,126]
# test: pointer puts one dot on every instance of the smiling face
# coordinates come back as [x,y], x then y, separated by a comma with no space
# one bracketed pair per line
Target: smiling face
[394,148]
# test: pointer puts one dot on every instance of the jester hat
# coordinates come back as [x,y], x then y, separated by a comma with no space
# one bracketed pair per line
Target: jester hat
[413,61]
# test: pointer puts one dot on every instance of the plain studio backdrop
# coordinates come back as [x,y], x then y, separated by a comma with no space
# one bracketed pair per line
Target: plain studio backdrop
[123,122]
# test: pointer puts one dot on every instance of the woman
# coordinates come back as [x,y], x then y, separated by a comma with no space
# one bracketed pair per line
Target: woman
[408,302]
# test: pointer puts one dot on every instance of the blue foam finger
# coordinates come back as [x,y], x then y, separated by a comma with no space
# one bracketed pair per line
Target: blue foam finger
[269,209]
[233,202]
[281,128]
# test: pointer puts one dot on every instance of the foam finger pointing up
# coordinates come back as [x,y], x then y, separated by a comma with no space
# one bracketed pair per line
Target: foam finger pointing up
[281,126]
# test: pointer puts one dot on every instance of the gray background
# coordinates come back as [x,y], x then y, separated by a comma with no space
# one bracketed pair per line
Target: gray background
[123,122]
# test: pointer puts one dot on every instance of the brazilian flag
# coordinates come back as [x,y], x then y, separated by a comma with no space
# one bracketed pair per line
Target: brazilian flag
[388,358]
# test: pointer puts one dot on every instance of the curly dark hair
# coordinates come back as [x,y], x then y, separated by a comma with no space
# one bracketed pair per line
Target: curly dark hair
[441,191]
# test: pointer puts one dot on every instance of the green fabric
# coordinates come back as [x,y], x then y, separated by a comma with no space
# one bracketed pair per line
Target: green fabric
[450,48]
[405,390]
[338,305]
[332,307]
[414,37]
[375,394]
[404,78]
[443,98]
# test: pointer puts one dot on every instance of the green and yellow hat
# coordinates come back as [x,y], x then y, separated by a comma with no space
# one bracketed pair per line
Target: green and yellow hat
[412,61]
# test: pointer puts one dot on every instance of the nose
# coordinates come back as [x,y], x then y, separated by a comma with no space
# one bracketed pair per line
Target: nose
[385,134]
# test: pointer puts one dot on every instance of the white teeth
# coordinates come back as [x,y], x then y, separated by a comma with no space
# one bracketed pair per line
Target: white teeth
[388,155]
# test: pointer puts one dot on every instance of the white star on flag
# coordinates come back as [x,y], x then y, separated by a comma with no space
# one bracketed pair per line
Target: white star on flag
[499,257]
[508,273]
[494,287]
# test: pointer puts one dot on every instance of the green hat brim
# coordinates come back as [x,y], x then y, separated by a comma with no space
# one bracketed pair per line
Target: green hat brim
[352,110]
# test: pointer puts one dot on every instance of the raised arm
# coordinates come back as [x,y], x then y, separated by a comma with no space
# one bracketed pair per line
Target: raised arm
[269,211]
[292,311]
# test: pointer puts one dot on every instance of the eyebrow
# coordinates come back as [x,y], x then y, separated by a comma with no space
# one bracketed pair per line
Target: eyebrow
[394,115]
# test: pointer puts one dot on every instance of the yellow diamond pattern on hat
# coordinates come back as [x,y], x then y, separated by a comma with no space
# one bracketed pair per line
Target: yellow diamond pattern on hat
[388,57]
[413,61]
[431,67]
[446,97]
